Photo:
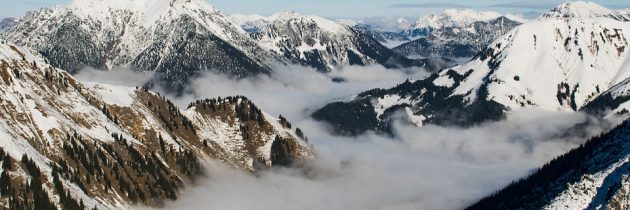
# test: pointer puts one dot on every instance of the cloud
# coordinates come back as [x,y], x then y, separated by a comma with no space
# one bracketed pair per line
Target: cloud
[121,77]
[526,4]
[422,168]
[427,5]
[293,91]
[427,168]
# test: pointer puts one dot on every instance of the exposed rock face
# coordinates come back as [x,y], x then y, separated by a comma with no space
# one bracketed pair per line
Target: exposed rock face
[178,39]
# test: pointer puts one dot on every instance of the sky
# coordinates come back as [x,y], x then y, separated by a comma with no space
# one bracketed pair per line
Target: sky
[340,9]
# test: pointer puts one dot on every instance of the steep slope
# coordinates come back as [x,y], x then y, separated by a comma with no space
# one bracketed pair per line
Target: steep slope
[324,44]
[458,41]
[177,38]
[593,176]
[109,147]
[625,13]
[614,102]
[559,63]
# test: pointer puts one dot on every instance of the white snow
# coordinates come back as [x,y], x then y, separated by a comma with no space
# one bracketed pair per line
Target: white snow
[386,102]
[579,195]
[459,18]
[418,120]
[539,54]
[578,9]
[44,123]
[114,95]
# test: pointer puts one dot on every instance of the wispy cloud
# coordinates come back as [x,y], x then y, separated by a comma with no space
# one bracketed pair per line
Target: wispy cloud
[427,5]
[526,4]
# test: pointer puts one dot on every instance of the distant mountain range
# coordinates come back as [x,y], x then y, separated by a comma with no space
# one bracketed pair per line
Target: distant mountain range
[452,34]
[182,39]
[320,43]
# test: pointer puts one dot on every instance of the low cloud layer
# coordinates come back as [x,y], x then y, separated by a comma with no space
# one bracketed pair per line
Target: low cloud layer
[426,168]
[122,77]
[421,168]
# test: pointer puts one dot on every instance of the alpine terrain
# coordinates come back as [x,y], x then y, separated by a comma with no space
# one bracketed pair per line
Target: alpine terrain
[7,23]
[321,43]
[560,62]
[72,145]
[592,176]
[459,40]
[179,39]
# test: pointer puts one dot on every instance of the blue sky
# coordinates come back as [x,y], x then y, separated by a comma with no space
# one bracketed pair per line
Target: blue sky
[340,8]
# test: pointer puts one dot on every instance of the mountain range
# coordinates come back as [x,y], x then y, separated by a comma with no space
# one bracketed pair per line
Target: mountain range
[74,144]
[458,41]
[452,34]
[322,43]
[560,62]
[182,39]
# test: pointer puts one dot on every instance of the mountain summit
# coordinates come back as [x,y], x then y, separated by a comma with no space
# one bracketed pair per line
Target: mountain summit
[580,9]
[179,39]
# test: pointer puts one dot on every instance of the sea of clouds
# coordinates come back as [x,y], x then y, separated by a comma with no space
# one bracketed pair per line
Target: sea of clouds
[427,167]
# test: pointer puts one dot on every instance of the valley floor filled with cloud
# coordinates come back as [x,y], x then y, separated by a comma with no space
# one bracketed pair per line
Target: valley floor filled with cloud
[430,167]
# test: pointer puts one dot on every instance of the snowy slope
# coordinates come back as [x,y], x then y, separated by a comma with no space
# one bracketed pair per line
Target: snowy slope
[451,18]
[250,23]
[87,131]
[177,38]
[324,44]
[458,41]
[593,176]
[560,62]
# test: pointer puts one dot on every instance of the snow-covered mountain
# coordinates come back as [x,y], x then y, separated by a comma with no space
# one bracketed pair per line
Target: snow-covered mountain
[324,44]
[458,41]
[451,18]
[250,23]
[177,38]
[625,13]
[560,62]
[86,145]
[381,32]
[593,176]
[7,23]
[386,38]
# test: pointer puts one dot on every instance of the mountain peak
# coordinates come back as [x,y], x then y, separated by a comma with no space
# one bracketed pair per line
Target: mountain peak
[454,17]
[323,23]
[148,8]
[579,9]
